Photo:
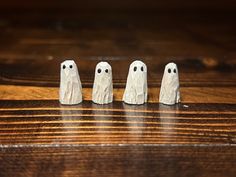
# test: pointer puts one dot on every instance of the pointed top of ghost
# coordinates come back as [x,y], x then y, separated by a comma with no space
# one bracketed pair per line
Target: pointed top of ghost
[137,63]
[68,64]
[171,68]
[68,67]
[103,64]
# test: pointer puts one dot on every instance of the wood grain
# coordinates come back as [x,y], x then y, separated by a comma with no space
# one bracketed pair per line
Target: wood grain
[189,94]
[50,123]
[40,137]
[136,161]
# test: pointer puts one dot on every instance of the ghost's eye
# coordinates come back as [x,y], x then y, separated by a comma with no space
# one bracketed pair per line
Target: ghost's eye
[106,70]
[99,70]
[174,70]
[135,68]
[71,66]
[64,66]
[169,70]
[142,68]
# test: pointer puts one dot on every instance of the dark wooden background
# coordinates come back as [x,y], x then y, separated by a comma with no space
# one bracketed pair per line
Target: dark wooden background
[39,137]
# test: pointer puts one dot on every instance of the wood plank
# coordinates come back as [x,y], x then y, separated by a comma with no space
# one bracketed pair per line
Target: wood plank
[116,123]
[198,72]
[40,137]
[59,34]
[189,94]
[93,161]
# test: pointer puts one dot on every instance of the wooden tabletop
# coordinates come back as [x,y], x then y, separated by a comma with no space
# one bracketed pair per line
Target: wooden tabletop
[40,137]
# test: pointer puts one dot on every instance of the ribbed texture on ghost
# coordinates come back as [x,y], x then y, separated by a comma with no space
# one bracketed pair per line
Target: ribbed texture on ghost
[70,85]
[169,93]
[103,86]
[136,90]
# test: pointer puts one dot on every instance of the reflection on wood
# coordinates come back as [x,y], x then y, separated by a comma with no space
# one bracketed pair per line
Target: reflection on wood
[115,123]
[40,137]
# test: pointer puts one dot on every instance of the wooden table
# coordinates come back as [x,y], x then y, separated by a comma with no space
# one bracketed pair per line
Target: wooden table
[40,137]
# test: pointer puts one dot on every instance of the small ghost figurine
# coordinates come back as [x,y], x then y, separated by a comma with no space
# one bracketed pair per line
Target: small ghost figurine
[102,86]
[136,90]
[169,93]
[70,85]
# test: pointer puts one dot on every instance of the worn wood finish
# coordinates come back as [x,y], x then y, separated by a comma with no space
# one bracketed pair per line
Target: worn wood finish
[40,137]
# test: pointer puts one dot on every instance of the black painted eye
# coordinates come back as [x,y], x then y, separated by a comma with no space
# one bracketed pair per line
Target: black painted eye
[174,70]
[99,70]
[142,68]
[64,66]
[135,68]
[169,70]
[106,70]
[71,66]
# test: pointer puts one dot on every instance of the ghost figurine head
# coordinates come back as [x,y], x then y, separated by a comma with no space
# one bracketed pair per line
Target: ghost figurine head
[169,93]
[136,90]
[102,86]
[70,85]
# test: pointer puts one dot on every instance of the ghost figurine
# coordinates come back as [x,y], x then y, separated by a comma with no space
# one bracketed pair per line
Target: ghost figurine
[102,86]
[169,93]
[70,84]
[136,90]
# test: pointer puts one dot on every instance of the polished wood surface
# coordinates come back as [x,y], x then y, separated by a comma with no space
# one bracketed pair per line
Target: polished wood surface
[47,122]
[118,161]
[40,137]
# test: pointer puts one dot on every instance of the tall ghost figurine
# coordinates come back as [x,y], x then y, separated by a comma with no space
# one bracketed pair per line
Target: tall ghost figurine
[70,85]
[169,93]
[136,90]
[102,86]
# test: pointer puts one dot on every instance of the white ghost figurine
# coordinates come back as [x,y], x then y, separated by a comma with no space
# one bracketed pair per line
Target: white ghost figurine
[70,84]
[102,86]
[169,93]
[136,90]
